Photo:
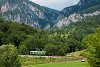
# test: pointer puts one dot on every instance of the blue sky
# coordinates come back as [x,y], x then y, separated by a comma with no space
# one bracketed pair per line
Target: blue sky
[56,4]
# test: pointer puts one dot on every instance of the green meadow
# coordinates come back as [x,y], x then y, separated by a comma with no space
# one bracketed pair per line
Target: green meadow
[66,61]
[62,64]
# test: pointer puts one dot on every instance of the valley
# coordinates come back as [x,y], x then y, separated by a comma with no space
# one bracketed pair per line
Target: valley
[37,36]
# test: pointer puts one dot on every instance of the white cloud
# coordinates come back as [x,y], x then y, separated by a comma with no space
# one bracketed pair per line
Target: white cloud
[56,4]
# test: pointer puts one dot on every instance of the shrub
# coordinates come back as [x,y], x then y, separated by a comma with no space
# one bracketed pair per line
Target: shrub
[93,49]
[9,56]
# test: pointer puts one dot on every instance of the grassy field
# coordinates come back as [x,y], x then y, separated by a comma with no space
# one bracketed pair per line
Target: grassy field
[62,64]
[70,60]
[30,60]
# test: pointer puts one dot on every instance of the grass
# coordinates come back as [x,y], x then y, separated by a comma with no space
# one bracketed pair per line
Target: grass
[62,64]
[78,53]
[26,61]
[70,60]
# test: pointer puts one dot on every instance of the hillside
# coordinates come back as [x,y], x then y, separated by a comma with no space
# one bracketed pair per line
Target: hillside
[82,28]
[75,17]
[27,38]
[85,8]
[69,36]
[25,11]
[82,5]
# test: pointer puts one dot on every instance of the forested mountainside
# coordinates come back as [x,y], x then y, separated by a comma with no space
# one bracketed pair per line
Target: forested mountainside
[23,35]
[27,38]
[25,11]
[78,12]
[75,17]
[76,32]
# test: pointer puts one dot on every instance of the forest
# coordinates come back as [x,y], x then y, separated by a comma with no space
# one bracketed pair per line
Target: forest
[56,42]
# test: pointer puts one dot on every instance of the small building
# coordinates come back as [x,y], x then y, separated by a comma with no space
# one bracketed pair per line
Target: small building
[37,53]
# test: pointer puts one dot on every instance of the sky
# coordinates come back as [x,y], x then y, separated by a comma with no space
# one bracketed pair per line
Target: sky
[56,4]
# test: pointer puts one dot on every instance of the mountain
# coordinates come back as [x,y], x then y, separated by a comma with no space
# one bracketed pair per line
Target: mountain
[25,11]
[77,12]
[82,5]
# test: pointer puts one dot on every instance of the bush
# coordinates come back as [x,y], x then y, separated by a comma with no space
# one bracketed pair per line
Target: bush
[93,49]
[9,56]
